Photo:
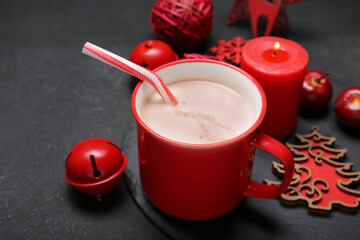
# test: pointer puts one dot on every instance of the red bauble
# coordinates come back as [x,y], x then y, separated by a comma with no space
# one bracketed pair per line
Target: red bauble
[347,107]
[183,24]
[152,54]
[95,166]
[316,91]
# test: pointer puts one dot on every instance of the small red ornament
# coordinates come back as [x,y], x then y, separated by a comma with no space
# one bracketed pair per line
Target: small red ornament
[152,53]
[316,91]
[95,166]
[274,10]
[183,24]
[229,50]
[321,181]
[347,107]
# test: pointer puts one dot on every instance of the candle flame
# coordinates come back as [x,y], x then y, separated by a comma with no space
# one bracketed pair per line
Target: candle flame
[276,46]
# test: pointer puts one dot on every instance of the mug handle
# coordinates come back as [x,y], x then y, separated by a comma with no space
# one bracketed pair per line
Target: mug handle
[274,147]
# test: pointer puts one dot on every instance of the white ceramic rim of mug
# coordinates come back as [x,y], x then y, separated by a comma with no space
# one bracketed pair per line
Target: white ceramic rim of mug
[211,75]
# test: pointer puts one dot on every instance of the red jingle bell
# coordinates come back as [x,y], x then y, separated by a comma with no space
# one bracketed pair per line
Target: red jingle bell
[95,166]
[152,54]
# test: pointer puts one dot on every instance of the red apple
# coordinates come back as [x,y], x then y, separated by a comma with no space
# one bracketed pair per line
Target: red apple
[316,91]
[152,53]
[347,107]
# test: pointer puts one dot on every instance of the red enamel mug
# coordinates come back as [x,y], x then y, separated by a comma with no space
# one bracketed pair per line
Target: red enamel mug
[204,181]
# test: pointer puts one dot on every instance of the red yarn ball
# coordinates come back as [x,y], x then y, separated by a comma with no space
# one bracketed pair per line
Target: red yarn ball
[183,24]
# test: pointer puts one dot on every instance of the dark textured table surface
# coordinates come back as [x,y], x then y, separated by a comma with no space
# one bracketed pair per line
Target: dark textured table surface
[52,97]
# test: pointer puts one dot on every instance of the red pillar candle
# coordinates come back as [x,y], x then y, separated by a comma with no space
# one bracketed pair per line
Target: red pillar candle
[280,70]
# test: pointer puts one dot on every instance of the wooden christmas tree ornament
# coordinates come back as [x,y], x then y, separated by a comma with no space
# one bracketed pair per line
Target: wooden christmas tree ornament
[321,181]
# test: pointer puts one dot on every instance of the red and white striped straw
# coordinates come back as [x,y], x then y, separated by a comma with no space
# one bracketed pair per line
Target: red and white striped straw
[130,68]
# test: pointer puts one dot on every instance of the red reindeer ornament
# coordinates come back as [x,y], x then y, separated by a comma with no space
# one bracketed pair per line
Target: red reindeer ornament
[259,8]
[273,10]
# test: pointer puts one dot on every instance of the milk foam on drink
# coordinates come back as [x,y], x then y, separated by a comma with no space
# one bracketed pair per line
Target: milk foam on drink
[207,112]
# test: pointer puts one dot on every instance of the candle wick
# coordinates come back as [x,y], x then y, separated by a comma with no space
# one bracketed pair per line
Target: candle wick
[274,53]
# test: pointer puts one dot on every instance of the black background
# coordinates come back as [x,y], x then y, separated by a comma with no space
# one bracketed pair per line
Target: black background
[52,97]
